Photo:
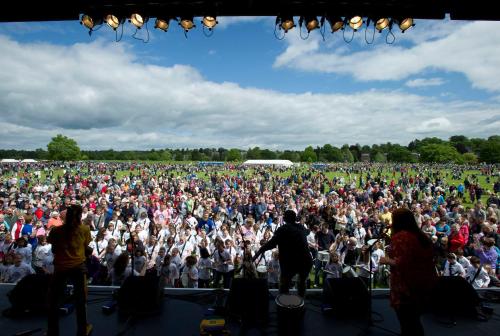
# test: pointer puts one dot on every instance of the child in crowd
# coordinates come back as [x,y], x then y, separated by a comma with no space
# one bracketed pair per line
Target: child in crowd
[273,267]
[190,273]
[204,268]
[333,268]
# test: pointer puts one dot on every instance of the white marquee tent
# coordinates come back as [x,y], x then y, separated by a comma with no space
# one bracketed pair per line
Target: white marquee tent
[29,160]
[9,161]
[286,163]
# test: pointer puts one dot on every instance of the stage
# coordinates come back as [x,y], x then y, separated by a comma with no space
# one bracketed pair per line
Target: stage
[183,311]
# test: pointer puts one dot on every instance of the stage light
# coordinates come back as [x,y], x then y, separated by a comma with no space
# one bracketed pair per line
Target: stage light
[311,23]
[356,22]
[112,21]
[286,23]
[187,23]
[88,22]
[405,24]
[209,22]
[336,23]
[162,24]
[382,24]
[137,20]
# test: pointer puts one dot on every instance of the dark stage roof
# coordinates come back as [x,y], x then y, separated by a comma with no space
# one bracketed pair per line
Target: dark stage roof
[419,9]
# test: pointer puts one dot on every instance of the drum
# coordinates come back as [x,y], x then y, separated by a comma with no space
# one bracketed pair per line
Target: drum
[262,271]
[290,307]
[349,272]
[324,256]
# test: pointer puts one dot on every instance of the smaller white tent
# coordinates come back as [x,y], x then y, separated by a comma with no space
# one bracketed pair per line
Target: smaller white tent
[9,160]
[29,160]
[286,163]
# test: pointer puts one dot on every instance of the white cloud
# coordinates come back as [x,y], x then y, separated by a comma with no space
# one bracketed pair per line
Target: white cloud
[431,126]
[423,82]
[226,21]
[102,95]
[468,48]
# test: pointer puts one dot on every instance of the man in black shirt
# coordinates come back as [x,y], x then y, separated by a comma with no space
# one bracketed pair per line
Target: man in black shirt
[294,255]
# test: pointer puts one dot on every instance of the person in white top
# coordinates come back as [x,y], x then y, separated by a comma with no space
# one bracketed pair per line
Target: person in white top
[190,273]
[24,249]
[184,247]
[452,267]
[204,269]
[477,276]
[112,231]
[42,252]
[18,271]
[462,260]
[377,253]
[360,234]
[273,268]
[222,260]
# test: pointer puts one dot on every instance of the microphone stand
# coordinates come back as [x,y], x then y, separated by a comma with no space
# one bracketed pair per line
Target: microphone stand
[371,323]
[132,253]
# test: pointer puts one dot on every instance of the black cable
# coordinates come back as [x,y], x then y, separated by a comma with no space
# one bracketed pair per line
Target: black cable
[352,37]
[205,31]
[276,35]
[116,34]
[373,36]
[389,32]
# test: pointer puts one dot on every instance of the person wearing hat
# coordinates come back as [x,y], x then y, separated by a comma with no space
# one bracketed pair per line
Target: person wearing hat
[294,256]
[55,220]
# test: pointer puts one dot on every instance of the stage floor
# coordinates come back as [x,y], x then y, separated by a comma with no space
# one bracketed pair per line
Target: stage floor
[183,311]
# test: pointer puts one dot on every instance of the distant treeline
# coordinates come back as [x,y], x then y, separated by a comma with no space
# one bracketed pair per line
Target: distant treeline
[458,149]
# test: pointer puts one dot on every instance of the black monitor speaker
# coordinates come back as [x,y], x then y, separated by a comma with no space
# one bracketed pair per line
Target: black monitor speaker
[248,301]
[346,295]
[23,298]
[139,295]
[455,295]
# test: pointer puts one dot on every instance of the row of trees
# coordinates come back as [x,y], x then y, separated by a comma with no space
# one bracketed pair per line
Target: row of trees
[458,149]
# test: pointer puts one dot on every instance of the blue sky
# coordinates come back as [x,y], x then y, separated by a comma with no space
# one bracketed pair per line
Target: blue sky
[242,87]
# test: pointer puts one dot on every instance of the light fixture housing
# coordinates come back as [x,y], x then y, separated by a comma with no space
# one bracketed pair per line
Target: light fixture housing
[405,24]
[187,23]
[356,22]
[286,22]
[112,21]
[138,20]
[162,24]
[336,23]
[90,21]
[381,24]
[209,22]
[312,23]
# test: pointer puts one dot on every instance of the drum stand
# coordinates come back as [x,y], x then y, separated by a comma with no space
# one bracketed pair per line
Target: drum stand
[371,322]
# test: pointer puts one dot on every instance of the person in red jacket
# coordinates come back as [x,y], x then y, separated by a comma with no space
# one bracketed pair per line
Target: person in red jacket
[413,275]
[456,239]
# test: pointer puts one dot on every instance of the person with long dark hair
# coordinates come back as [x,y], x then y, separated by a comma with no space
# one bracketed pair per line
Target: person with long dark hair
[69,243]
[413,275]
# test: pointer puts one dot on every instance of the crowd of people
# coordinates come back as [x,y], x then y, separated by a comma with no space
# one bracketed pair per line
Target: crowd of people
[200,226]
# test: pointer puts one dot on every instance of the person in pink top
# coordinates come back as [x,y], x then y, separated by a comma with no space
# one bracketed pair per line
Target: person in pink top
[464,230]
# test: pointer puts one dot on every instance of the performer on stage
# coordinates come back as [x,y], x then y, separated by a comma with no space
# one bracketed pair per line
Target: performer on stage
[413,275]
[294,255]
[69,243]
